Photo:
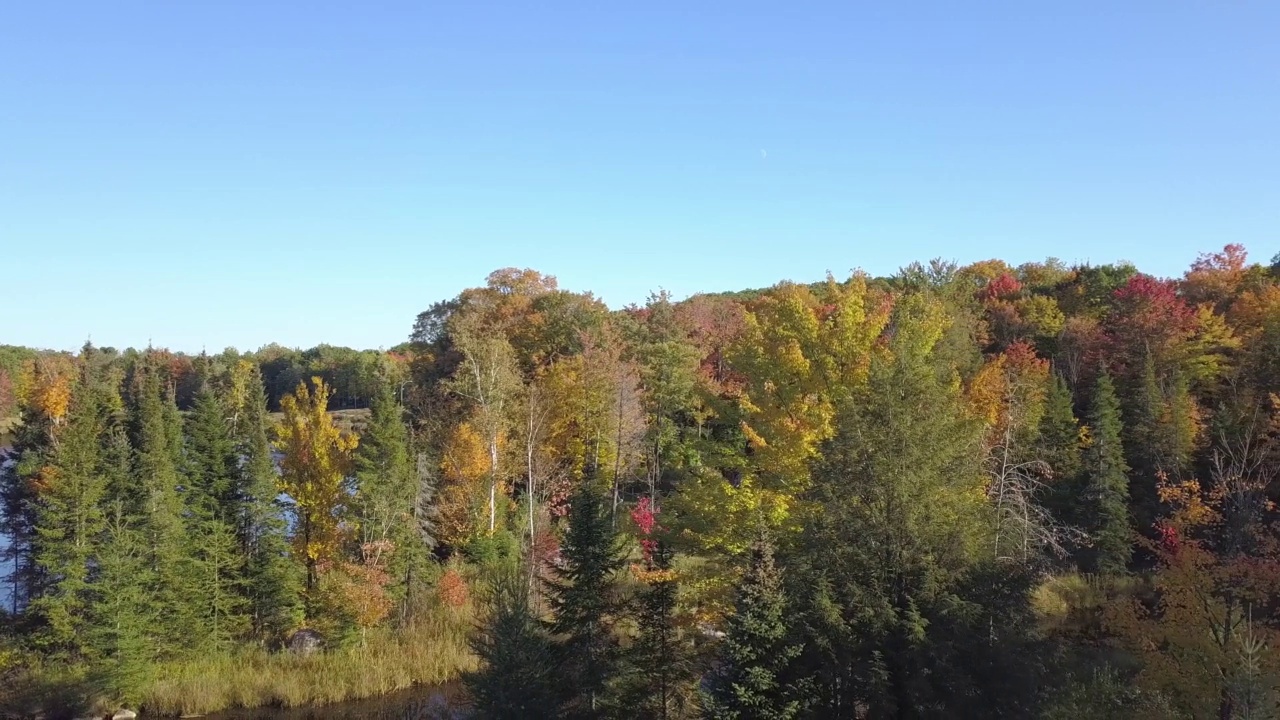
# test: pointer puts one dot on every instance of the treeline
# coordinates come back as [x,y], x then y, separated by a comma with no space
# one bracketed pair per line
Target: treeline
[967,492]
[352,375]
[139,534]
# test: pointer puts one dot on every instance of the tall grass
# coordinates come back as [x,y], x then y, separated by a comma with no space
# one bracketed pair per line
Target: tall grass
[433,650]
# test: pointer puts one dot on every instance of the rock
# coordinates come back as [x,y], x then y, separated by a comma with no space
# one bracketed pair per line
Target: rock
[305,642]
[123,714]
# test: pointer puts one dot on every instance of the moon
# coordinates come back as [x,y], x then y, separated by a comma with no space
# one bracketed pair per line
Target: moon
[763,154]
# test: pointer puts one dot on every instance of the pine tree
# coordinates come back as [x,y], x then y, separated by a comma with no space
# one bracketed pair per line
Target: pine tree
[748,681]
[214,508]
[211,462]
[879,588]
[1059,442]
[388,493]
[660,667]
[1178,423]
[583,599]
[272,582]
[18,503]
[1059,446]
[69,522]
[217,584]
[156,435]
[1105,501]
[517,678]
[43,418]
[1143,437]
[123,615]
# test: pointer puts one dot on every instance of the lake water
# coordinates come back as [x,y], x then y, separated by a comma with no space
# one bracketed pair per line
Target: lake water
[445,702]
[6,566]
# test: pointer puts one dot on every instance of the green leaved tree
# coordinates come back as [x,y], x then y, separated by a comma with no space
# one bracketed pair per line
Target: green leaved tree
[517,678]
[393,498]
[1105,504]
[584,601]
[749,682]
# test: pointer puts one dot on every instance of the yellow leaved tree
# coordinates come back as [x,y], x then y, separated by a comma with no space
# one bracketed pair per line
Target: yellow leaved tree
[799,357]
[315,474]
[464,466]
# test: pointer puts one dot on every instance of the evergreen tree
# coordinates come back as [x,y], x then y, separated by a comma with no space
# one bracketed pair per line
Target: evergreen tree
[33,444]
[1058,446]
[217,585]
[583,599]
[517,679]
[748,683]
[882,587]
[211,462]
[1161,439]
[272,582]
[389,493]
[1105,501]
[214,508]
[69,522]
[121,491]
[660,667]
[156,435]
[1143,436]
[43,418]
[1059,441]
[123,614]
[1178,425]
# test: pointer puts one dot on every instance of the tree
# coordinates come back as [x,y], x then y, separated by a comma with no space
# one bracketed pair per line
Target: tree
[215,509]
[1009,394]
[749,681]
[271,578]
[584,603]
[660,667]
[389,493]
[156,434]
[517,678]
[1105,501]
[1205,640]
[315,475]
[211,462]
[669,383]
[69,522]
[464,466]
[1058,446]
[886,579]
[43,416]
[489,378]
[122,617]
[1162,432]
[8,396]
[800,358]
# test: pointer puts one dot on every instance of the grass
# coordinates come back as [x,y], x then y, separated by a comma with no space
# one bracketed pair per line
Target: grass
[352,420]
[433,651]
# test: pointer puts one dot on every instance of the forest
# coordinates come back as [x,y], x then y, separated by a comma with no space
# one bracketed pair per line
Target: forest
[979,491]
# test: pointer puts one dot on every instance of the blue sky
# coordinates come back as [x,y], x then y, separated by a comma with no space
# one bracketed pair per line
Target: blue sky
[242,172]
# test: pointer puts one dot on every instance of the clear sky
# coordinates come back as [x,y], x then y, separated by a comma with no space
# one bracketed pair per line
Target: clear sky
[232,173]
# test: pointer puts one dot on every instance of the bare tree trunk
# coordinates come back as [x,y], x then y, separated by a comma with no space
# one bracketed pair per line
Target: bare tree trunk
[493,483]
[617,459]
[531,439]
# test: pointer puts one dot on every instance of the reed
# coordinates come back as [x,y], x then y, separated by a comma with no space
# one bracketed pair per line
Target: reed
[433,650]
